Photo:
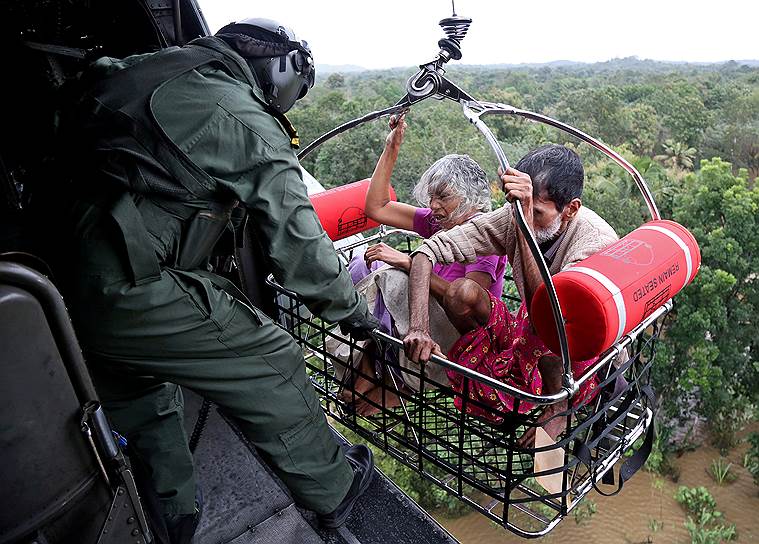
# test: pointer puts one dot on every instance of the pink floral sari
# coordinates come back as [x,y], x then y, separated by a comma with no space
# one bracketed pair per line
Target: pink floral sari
[507,350]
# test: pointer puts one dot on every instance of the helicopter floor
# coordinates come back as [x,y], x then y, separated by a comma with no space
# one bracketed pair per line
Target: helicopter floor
[245,503]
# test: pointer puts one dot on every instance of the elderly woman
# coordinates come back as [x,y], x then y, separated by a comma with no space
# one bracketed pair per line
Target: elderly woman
[452,191]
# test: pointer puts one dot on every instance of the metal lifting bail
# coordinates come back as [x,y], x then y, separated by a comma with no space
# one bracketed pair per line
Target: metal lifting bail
[430,82]
[473,110]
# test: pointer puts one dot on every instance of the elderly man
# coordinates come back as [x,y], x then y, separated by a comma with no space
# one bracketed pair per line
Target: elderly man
[548,182]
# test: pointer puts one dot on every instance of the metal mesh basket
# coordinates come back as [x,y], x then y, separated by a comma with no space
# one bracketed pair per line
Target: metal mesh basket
[470,457]
[480,463]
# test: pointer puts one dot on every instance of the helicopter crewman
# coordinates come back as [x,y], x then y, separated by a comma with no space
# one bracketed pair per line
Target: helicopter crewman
[167,145]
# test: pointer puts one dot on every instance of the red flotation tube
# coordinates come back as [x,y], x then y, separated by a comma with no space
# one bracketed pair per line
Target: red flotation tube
[341,209]
[609,293]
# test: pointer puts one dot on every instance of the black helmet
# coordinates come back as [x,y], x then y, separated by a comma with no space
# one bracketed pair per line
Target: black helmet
[283,65]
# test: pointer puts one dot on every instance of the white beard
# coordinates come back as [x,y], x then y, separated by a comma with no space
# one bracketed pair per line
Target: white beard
[548,233]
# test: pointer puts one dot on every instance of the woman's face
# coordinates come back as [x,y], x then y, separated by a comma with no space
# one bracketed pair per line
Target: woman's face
[443,204]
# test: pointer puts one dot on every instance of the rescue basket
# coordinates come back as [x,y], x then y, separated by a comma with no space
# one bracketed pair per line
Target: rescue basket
[527,489]
[445,433]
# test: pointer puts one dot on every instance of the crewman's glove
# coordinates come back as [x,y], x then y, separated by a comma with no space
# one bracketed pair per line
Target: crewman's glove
[360,324]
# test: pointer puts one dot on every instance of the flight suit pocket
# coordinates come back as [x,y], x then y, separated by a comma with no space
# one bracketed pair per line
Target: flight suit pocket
[308,444]
[200,236]
[211,302]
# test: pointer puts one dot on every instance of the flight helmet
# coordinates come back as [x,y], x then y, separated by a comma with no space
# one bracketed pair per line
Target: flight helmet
[283,65]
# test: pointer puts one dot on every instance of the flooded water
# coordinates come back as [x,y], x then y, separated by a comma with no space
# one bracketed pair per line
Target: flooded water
[644,512]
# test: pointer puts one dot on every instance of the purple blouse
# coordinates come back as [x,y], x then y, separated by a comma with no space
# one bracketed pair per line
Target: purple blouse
[425,225]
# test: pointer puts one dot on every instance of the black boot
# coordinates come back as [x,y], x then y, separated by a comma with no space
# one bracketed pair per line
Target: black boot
[181,527]
[361,459]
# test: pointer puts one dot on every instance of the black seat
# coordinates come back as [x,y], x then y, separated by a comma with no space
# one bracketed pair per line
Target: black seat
[53,484]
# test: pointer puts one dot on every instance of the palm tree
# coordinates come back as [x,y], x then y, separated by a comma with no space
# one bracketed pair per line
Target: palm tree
[677,155]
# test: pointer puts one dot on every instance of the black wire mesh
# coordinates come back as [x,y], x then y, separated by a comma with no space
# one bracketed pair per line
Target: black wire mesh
[469,457]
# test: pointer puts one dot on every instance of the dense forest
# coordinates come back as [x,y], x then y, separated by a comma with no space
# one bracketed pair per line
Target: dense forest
[691,130]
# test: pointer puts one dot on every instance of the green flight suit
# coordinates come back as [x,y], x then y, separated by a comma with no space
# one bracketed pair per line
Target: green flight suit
[180,327]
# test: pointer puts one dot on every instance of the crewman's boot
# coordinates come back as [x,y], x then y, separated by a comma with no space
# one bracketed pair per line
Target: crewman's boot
[361,459]
[181,527]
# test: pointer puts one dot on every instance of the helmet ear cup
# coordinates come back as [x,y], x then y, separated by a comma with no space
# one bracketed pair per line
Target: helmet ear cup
[299,60]
[305,67]
[283,77]
[280,79]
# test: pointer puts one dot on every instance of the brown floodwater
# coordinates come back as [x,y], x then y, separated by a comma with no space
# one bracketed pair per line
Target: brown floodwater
[646,500]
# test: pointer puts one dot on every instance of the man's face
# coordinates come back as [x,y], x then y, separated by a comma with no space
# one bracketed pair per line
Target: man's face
[547,221]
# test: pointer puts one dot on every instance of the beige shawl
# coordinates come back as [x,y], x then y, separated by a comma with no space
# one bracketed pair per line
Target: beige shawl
[392,284]
[495,233]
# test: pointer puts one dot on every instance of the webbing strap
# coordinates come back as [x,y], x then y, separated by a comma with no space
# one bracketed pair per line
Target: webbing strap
[143,262]
[633,463]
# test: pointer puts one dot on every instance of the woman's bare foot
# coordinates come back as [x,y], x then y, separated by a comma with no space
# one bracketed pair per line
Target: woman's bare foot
[362,382]
[374,400]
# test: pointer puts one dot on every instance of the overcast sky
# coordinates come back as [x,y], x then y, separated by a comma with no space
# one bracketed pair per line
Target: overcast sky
[390,33]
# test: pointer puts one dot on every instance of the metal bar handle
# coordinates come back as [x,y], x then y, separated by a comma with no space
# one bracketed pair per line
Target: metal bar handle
[349,125]
[568,382]
[481,378]
[489,108]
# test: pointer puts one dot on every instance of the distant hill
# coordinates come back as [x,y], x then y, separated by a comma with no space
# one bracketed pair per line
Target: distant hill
[627,63]
[620,62]
[323,69]
[551,64]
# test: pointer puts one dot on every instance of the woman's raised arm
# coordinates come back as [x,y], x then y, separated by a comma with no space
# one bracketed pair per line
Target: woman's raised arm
[378,205]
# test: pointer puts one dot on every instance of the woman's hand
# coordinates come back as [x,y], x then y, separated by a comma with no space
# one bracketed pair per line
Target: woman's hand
[385,253]
[397,130]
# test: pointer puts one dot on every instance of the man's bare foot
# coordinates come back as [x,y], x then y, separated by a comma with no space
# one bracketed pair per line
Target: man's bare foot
[551,371]
[553,426]
[374,399]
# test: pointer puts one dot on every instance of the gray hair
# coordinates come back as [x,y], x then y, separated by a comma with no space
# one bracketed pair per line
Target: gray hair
[463,176]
